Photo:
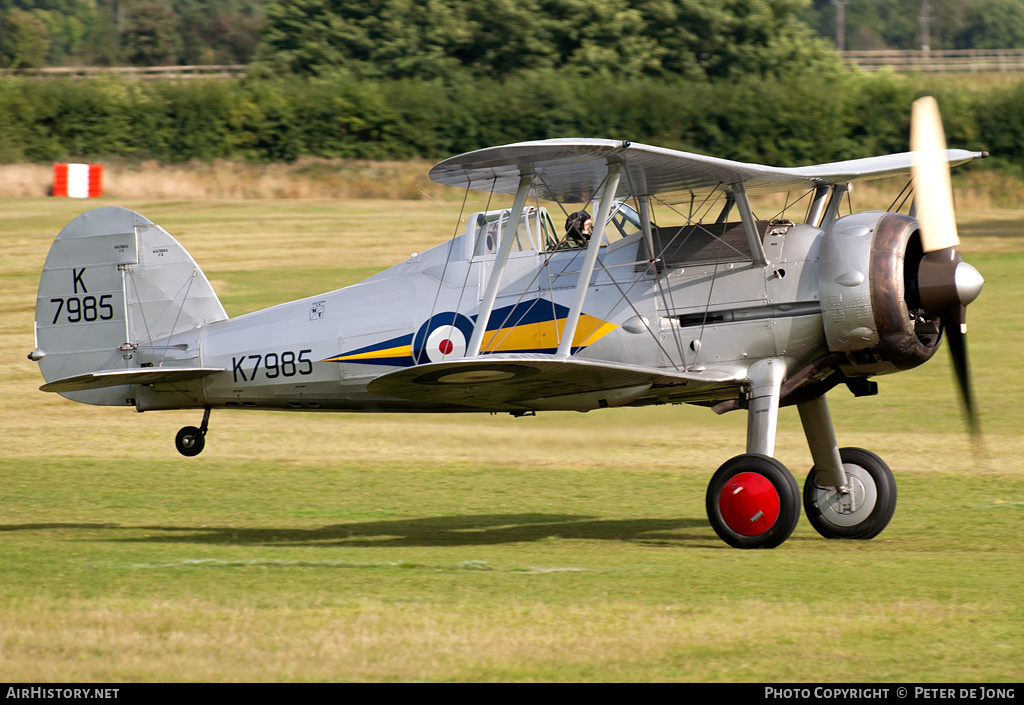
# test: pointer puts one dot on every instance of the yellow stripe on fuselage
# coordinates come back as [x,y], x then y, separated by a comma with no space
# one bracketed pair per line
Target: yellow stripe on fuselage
[400,351]
[545,335]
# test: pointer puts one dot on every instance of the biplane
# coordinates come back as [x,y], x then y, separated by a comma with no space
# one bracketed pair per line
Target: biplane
[720,309]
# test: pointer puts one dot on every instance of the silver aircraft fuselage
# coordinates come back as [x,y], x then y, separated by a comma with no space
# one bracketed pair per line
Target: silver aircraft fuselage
[321,352]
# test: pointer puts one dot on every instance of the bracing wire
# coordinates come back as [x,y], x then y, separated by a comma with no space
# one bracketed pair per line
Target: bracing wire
[448,257]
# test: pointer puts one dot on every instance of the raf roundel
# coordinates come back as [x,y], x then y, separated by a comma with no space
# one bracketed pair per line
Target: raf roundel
[443,337]
[445,343]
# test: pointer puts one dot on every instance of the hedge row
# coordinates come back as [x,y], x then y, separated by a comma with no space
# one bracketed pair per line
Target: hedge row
[810,119]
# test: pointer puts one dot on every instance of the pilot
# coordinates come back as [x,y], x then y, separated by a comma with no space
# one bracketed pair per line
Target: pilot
[578,228]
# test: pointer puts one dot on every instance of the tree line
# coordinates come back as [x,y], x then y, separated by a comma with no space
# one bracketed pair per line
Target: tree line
[898,24]
[38,33]
[428,39]
[450,38]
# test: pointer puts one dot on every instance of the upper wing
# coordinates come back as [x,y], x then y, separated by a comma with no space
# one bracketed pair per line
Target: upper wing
[571,170]
[534,381]
[135,375]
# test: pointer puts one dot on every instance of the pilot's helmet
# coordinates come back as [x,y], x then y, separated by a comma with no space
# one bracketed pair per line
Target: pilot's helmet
[574,224]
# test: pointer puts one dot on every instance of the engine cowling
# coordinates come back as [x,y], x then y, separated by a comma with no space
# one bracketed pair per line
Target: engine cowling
[871,308]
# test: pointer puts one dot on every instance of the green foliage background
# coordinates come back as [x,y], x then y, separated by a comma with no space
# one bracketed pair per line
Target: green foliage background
[807,118]
[36,33]
[428,38]
[896,24]
[397,79]
[624,38]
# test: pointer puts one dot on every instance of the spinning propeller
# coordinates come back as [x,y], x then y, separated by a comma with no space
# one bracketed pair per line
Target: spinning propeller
[946,284]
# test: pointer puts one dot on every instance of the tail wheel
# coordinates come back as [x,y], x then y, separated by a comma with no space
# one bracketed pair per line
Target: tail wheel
[190,441]
[753,502]
[866,506]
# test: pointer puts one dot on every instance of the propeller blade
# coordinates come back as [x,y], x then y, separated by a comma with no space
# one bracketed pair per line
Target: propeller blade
[930,172]
[946,284]
[956,334]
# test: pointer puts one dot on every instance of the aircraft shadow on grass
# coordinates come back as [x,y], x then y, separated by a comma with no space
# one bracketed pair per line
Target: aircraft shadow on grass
[474,530]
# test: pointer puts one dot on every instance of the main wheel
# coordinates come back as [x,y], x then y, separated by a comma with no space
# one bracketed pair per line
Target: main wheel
[753,502]
[864,510]
[190,441]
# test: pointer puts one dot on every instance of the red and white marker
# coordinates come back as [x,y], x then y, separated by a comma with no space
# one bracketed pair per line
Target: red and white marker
[78,180]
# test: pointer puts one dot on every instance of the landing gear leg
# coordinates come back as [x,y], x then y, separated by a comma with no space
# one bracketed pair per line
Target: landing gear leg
[190,440]
[821,439]
[753,500]
[763,405]
[850,493]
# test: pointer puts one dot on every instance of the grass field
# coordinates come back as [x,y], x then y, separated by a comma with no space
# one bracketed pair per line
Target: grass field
[565,547]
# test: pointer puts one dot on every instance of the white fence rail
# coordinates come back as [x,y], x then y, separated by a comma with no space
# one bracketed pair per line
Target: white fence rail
[967,60]
[140,72]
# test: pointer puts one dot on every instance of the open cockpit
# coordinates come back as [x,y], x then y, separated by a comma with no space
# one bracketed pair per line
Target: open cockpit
[537,231]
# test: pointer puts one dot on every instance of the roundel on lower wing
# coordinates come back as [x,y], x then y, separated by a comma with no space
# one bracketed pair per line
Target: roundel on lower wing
[475,377]
[443,337]
[478,373]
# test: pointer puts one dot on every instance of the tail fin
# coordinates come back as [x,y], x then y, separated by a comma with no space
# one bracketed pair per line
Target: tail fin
[113,285]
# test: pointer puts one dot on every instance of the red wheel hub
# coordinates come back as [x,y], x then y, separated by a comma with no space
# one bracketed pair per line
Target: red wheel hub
[749,504]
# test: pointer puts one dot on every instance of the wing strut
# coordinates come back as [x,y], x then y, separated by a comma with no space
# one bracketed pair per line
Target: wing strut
[839,191]
[507,237]
[749,226]
[587,270]
[817,204]
[645,226]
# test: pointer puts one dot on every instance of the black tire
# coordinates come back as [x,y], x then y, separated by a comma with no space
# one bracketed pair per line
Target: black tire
[874,495]
[190,441]
[753,502]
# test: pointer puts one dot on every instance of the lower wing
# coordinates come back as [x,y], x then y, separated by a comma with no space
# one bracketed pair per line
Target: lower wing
[545,382]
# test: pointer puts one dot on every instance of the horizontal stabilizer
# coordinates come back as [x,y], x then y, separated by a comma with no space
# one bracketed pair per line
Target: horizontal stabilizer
[531,381]
[115,378]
